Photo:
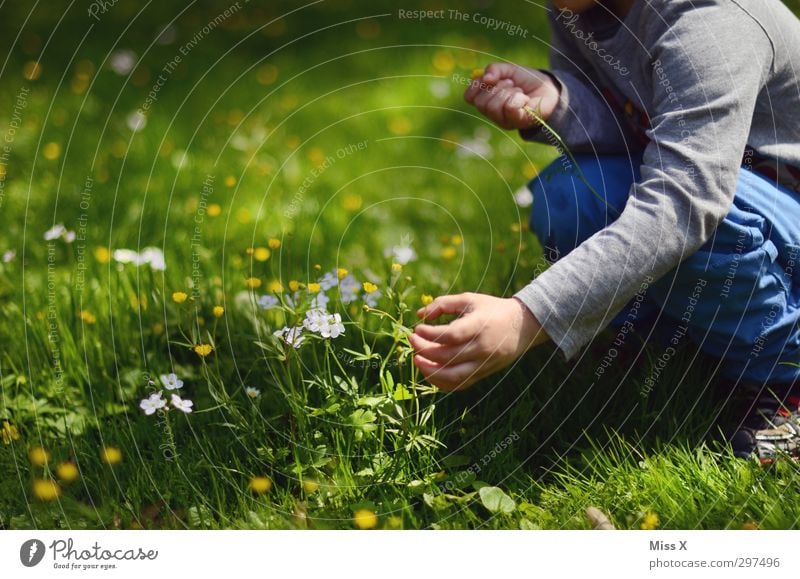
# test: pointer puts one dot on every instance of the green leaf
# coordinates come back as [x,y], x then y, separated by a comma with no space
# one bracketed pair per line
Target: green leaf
[401,393]
[496,501]
[363,419]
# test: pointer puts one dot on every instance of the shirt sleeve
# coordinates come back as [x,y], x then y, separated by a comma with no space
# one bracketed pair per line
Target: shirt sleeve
[704,92]
[583,119]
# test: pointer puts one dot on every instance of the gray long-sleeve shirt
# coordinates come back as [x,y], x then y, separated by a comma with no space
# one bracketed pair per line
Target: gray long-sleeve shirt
[713,76]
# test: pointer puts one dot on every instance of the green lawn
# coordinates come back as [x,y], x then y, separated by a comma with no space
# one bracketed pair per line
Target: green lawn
[268,152]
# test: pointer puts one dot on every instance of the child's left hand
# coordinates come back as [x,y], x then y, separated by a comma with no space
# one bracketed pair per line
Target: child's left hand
[489,334]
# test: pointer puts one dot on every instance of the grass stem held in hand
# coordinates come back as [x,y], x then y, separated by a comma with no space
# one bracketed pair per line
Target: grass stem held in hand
[537,118]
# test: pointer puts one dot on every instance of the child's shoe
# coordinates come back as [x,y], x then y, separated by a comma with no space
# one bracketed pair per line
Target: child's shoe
[771,428]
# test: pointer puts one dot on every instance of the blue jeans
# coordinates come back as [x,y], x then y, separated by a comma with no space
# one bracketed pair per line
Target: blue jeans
[738,297]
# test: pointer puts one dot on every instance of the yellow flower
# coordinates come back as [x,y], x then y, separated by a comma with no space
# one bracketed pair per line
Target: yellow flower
[46,490]
[203,350]
[400,126]
[456,240]
[38,456]
[67,471]
[261,254]
[394,522]
[397,268]
[294,285]
[214,210]
[341,273]
[9,432]
[218,311]
[102,254]
[370,287]
[179,297]
[275,287]
[365,519]
[750,526]
[443,61]
[426,299]
[158,328]
[51,151]
[476,73]
[310,486]
[352,202]
[260,484]
[32,70]
[650,521]
[449,252]
[230,181]
[88,317]
[274,243]
[313,288]
[111,455]
[252,282]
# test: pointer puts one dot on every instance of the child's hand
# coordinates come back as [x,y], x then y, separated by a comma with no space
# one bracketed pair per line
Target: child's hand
[505,88]
[489,335]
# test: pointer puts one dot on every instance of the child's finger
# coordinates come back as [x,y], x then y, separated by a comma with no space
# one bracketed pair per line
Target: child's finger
[496,109]
[446,377]
[448,355]
[457,332]
[452,304]
[498,71]
[513,111]
[485,96]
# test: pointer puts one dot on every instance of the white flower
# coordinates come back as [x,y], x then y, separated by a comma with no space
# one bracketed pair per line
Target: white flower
[126,256]
[371,299]
[523,196]
[69,236]
[348,289]
[122,61]
[154,257]
[171,381]
[402,254]
[329,280]
[325,324]
[267,302]
[292,336]
[333,327]
[478,146]
[136,121]
[439,88]
[9,256]
[183,405]
[152,403]
[320,301]
[315,319]
[55,232]
[252,392]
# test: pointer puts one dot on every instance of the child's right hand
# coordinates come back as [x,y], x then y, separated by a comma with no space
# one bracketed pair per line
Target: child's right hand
[504,89]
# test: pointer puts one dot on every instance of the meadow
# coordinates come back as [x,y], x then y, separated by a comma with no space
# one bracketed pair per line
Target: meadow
[219,222]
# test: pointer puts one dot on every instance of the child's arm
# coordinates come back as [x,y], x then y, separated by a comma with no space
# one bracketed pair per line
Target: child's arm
[704,92]
[705,88]
[567,96]
[583,119]
[488,336]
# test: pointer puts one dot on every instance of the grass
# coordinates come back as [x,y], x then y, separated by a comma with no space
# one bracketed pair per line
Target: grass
[249,173]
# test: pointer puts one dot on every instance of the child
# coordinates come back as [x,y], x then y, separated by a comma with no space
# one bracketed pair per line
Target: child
[682,118]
